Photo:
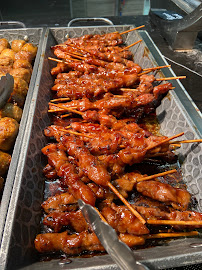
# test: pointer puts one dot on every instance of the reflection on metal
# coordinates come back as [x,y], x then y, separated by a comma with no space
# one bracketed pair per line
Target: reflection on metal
[180,33]
[9,23]
[107,21]
[187,5]
[146,7]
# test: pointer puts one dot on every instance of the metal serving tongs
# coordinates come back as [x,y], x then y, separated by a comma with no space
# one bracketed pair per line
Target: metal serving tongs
[119,251]
[6,88]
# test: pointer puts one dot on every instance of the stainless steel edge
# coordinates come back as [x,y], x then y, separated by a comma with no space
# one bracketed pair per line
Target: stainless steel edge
[9,181]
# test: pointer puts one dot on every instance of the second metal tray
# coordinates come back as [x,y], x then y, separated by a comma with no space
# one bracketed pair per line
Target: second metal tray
[34,36]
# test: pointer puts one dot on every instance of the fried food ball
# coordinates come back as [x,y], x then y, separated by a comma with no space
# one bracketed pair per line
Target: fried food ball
[17,44]
[22,73]
[8,52]
[6,61]
[12,111]
[22,63]
[5,160]
[8,133]
[4,70]
[4,44]
[17,98]
[25,55]
[20,86]
[29,47]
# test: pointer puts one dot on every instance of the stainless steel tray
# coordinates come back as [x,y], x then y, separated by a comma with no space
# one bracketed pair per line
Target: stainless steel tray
[177,113]
[33,35]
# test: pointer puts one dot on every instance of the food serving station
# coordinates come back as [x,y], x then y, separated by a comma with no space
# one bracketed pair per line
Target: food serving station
[179,112]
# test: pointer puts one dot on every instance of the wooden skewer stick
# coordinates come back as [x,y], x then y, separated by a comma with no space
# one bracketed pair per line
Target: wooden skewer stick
[136,90]
[129,89]
[170,78]
[175,222]
[60,99]
[174,146]
[172,234]
[120,96]
[101,216]
[67,127]
[65,108]
[79,48]
[130,30]
[166,140]
[126,48]
[143,73]
[155,175]
[63,61]
[154,68]
[187,141]
[135,213]
[65,45]
[74,55]
[53,111]
[76,133]
[65,115]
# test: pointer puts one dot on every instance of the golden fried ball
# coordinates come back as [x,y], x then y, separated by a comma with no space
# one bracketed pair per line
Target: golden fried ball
[28,47]
[4,44]
[25,55]
[22,73]
[17,44]
[6,61]
[5,160]
[8,133]
[12,111]
[8,52]
[17,98]
[20,86]
[22,63]
[4,70]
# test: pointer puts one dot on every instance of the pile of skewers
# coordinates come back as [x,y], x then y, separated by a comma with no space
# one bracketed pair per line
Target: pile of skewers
[17,60]
[100,99]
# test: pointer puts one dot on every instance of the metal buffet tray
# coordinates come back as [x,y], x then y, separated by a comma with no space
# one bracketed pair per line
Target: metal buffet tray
[33,35]
[177,113]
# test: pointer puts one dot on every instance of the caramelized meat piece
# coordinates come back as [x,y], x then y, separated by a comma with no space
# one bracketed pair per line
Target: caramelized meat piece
[58,159]
[75,219]
[61,202]
[69,244]
[122,220]
[89,163]
[178,198]
[5,160]
[12,111]
[8,133]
